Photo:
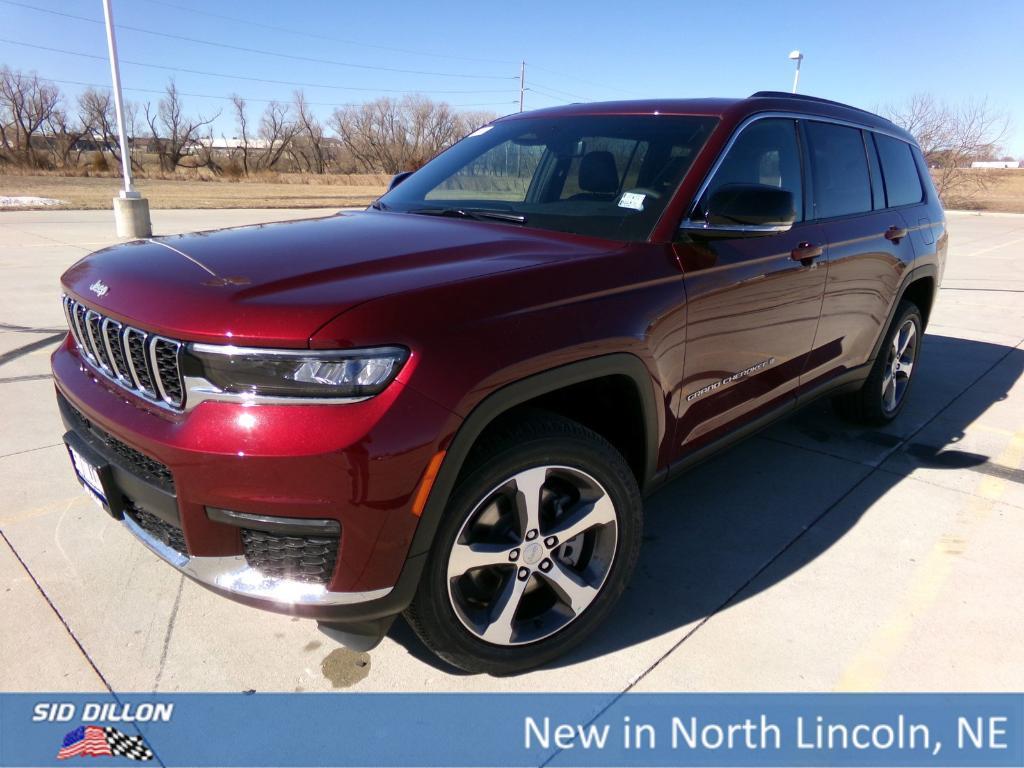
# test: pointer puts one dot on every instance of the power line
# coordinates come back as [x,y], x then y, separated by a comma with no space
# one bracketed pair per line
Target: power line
[563,93]
[260,51]
[244,98]
[236,77]
[329,38]
[587,82]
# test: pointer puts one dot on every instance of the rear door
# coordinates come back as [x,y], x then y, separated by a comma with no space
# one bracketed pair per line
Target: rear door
[869,246]
[752,302]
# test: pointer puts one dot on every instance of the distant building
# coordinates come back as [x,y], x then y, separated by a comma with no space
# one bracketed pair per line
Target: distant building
[225,143]
[997,164]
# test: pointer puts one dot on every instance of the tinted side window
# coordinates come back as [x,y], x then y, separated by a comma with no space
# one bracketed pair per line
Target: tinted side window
[766,152]
[902,184]
[841,182]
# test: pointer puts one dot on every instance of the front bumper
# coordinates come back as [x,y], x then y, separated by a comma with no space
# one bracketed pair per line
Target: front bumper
[358,464]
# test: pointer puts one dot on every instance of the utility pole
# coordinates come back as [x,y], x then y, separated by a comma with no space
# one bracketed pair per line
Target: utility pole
[522,84]
[131,210]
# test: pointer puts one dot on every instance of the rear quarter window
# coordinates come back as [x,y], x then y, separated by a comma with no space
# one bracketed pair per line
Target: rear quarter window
[902,184]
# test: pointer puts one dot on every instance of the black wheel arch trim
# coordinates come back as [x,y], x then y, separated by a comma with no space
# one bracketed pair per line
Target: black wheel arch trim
[912,276]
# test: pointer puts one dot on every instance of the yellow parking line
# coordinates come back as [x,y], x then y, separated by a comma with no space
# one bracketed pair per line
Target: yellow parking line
[46,509]
[871,663]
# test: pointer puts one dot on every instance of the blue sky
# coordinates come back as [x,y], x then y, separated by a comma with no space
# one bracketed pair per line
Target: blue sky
[867,53]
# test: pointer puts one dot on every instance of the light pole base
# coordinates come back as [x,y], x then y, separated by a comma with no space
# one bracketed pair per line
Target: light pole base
[131,215]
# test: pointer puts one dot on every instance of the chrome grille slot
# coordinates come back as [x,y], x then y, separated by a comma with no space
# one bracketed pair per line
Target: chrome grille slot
[163,355]
[115,350]
[78,313]
[69,313]
[138,364]
[142,362]
[93,321]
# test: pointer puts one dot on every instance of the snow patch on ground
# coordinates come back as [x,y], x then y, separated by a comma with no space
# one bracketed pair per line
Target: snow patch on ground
[27,201]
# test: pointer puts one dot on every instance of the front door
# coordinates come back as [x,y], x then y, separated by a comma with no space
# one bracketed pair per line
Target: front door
[752,301]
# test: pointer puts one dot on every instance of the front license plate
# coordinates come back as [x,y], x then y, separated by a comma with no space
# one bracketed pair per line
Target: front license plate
[88,474]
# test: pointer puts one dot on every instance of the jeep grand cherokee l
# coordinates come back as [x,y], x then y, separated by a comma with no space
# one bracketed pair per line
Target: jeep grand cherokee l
[452,404]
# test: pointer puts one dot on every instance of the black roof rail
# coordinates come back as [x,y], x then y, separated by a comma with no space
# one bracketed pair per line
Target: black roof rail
[804,97]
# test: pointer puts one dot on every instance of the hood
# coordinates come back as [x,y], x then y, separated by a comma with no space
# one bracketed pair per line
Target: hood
[276,284]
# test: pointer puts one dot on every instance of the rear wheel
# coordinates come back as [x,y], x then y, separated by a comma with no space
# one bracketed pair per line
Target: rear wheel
[884,393]
[538,543]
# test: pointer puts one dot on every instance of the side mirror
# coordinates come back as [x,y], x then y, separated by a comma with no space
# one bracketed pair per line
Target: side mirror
[398,178]
[745,210]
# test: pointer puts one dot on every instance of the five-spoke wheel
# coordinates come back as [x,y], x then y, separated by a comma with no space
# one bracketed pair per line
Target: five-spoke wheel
[899,365]
[537,543]
[533,555]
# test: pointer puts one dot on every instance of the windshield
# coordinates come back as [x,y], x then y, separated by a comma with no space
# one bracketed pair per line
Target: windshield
[607,176]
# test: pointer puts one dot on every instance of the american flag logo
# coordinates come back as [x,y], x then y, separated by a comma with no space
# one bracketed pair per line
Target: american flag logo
[96,741]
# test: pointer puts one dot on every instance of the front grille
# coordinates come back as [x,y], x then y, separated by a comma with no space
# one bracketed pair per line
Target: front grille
[136,462]
[145,363]
[158,528]
[309,559]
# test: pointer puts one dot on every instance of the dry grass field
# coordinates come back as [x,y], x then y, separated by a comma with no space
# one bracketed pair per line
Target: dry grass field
[1004,191]
[284,191]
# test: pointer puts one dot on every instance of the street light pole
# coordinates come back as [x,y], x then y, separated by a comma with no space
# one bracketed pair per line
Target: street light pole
[131,210]
[115,76]
[797,57]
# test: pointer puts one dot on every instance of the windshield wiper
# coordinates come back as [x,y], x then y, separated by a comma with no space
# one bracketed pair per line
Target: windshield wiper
[480,214]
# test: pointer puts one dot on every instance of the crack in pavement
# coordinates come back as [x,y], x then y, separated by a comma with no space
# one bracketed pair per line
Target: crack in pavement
[57,613]
[32,377]
[27,329]
[17,352]
[167,636]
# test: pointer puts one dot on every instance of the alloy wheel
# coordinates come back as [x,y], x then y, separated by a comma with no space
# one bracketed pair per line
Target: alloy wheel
[899,366]
[532,555]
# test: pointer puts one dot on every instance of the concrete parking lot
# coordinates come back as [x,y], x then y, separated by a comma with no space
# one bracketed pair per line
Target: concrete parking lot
[813,557]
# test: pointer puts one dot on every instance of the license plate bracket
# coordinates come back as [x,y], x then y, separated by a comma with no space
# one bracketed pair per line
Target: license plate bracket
[95,475]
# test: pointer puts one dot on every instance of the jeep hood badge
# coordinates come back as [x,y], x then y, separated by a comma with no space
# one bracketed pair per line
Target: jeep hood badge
[99,288]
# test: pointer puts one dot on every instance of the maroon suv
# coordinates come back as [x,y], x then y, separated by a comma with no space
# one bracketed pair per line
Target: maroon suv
[451,405]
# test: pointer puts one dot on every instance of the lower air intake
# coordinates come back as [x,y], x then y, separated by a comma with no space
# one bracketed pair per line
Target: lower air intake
[308,559]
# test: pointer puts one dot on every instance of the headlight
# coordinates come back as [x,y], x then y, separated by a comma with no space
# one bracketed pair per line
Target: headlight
[297,373]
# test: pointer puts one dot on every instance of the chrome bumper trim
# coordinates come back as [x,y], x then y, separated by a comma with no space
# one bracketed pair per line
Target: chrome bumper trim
[233,574]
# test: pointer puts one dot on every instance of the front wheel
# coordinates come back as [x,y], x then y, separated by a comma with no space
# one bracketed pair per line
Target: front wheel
[538,543]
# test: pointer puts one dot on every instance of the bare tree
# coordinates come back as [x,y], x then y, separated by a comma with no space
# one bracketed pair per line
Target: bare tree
[174,134]
[96,110]
[277,131]
[26,104]
[952,137]
[309,144]
[389,135]
[242,121]
[65,134]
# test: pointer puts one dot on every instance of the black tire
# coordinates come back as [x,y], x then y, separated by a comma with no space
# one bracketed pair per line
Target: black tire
[539,440]
[868,405]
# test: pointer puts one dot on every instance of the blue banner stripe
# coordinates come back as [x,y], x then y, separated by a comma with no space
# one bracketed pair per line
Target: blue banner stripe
[504,730]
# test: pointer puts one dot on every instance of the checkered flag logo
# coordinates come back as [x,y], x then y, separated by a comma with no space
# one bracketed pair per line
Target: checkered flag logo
[96,741]
[123,745]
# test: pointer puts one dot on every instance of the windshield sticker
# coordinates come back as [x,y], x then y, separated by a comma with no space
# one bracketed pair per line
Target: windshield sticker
[633,200]
[480,131]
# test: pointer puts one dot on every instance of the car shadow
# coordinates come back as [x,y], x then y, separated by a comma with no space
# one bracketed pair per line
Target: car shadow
[711,534]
